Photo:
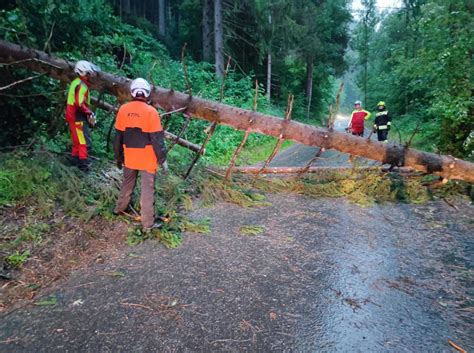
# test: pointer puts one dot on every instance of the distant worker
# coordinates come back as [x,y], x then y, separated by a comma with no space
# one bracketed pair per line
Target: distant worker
[358,117]
[139,147]
[382,122]
[79,115]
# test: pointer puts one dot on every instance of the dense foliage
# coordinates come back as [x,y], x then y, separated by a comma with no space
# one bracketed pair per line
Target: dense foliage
[127,41]
[419,61]
[416,58]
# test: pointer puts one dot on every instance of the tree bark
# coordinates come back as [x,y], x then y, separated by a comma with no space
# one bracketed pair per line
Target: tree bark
[168,135]
[161,18]
[218,38]
[206,31]
[445,166]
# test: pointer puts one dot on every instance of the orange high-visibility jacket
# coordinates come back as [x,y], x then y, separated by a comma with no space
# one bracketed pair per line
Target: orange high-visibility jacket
[139,142]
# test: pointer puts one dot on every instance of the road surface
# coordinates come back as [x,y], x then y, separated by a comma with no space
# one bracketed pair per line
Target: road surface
[324,276]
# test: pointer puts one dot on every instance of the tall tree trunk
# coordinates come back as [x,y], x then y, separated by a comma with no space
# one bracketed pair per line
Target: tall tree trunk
[206,30]
[218,38]
[126,7]
[269,75]
[161,18]
[309,83]
[366,58]
[445,166]
[269,62]
[177,18]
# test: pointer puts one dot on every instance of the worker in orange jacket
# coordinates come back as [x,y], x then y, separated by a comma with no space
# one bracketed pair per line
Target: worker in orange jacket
[79,116]
[139,147]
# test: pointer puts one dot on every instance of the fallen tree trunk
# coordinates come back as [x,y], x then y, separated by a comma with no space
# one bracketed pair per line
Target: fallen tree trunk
[298,170]
[294,170]
[168,135]
[446,166]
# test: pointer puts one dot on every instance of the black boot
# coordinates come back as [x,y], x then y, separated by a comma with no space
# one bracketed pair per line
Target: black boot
[73,161]
[83,165]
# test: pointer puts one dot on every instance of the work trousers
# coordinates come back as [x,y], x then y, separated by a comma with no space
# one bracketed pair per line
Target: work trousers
[147,197]
[81,140]
[382,135]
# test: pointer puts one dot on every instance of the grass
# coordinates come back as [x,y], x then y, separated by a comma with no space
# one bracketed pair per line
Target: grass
[168,238]
[251,230]
[261,152]
[33,232]
[200,226]
[214,189]
[17,259]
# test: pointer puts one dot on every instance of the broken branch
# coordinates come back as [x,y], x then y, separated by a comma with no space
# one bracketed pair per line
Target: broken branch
[289,110]
[21,81]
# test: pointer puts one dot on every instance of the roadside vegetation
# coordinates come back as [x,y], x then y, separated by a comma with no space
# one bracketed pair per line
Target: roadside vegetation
[418,59]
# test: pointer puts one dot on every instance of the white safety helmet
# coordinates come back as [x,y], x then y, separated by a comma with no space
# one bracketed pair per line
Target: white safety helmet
[357,103]
[83,67]
[140,87]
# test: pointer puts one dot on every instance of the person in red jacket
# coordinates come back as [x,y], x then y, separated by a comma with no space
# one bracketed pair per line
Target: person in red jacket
[358,118]
[79,116]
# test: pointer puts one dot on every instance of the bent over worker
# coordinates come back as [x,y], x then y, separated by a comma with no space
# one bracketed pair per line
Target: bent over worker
[357,121]
[382,123]
[139,147]
[79,117]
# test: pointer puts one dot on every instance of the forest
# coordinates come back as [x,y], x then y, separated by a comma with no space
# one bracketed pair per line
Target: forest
[416,58]
[278,228]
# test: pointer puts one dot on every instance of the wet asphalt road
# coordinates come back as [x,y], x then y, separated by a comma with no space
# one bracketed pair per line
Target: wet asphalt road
[299,155]
[324,276]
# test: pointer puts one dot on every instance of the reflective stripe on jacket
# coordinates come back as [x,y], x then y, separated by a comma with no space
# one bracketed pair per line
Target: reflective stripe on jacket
[383,121]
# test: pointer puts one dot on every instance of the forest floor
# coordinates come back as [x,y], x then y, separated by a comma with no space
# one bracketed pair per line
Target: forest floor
[315,275]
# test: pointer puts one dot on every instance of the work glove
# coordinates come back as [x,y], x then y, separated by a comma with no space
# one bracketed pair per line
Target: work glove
[164,168]
[119,164]
[91,119]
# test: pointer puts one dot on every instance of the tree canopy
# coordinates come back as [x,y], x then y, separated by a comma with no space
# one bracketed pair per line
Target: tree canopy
[418,59]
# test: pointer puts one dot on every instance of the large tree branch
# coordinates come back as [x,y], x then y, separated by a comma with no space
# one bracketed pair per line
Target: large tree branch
[445,166]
